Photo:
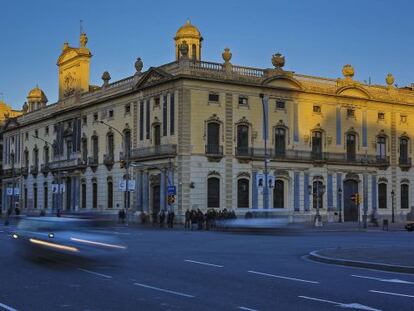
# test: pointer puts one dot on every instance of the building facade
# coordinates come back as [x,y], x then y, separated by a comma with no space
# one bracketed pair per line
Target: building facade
[226,136]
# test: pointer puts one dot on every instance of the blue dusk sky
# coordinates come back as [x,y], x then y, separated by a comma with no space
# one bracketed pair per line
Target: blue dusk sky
[316,37]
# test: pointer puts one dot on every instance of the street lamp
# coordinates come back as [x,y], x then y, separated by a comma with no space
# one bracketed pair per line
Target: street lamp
[392,206]
[127,201]
[340,203]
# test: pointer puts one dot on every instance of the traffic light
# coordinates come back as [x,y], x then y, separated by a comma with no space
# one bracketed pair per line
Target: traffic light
[356,198]
[171,199]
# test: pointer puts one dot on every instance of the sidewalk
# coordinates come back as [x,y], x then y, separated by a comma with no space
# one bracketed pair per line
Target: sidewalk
[396,259]
[352,226]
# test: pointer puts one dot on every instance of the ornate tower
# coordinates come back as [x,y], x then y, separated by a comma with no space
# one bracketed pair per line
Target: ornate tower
[192,36]
[36,99]
[74,68]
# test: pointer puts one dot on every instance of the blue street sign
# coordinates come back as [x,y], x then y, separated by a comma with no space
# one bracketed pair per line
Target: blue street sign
[172,190]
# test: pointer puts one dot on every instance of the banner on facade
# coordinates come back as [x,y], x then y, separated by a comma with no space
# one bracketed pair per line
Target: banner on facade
[122,185]
[55,188]
[270,180]
[9,191]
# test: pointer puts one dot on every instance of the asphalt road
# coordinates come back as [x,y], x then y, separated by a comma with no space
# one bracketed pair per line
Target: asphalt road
[183,270]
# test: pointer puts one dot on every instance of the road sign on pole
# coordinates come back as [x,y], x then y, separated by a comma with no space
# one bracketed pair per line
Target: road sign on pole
[172,190]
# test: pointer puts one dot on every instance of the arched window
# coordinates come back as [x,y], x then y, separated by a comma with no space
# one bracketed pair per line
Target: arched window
[403,150]
[194,51]
[157,135]
[279,194]
[94,194]
[317,145]
[213,138]
[242,140]
[213,192]
[280,141]
[26,158]
[243,193]
[110,146]
[46,154]
[318,190]
[83,194]
[350,147]
[45,195]
[95,148]
[84,149]
[381,148]
[69,147]
[34,196]
[382,195]
[404,196]
[35,157]
[110,193]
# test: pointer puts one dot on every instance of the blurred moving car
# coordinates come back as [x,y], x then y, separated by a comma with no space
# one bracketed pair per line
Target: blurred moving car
[409,225]
[255,219]
[59,236]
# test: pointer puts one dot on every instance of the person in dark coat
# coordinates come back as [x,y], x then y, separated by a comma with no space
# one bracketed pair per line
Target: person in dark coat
[121,216]
[187,222]
[171,218]
[162,218]
[193,218]
[200,219]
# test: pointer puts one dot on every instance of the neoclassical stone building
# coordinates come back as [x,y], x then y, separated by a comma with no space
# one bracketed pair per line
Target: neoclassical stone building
[199,125]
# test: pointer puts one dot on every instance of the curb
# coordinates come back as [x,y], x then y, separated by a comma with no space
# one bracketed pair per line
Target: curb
[360,264]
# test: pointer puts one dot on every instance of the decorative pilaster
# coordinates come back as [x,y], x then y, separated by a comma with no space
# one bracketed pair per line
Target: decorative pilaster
[228,138]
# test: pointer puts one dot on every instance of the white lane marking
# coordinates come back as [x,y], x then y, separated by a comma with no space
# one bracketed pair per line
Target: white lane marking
[342,305]
[203,263]
[382,280]
[164,290]
[390,293]
[7,307]
[283,277]
[95,273]
[247,309]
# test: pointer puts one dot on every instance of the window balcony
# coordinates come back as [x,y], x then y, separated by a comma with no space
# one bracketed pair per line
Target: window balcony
[93,161]
[404,162]
[44,168]
[67,164]
[243,152]
[11,172]
[109,159]
[155,152]
[34,169]
[214,151]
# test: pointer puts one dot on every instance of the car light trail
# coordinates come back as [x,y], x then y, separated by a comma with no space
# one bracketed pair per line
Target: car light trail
[54,245]
[97,243]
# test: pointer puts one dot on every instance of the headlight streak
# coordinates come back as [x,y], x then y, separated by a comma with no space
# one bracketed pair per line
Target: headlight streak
[98,243]
[54,245]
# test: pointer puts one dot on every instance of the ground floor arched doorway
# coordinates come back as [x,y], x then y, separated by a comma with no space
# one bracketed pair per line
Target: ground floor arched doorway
[350,207]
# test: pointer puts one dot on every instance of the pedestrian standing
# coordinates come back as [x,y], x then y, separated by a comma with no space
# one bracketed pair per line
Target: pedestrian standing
[162,218]
[187,219]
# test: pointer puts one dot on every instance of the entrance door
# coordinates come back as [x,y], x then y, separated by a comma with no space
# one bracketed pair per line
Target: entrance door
[350,208]
[155,200]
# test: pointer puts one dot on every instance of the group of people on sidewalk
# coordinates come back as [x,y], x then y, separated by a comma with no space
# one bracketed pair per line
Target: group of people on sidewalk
[195,219]
[164,217]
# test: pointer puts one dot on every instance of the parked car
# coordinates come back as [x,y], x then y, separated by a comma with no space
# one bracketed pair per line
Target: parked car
[59,236]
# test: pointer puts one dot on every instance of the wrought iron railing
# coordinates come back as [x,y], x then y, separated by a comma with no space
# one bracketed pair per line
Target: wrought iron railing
[154,151]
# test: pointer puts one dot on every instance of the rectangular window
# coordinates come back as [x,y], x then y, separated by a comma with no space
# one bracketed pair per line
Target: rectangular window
[317,109]
[164,116]
[141,120]
[156,101]
[147,120]
[27,135]
[172,114]
[95,117]
[243,100]
[381,116]
[111,113]
[36,133]
[127,108]
[94,195]
[213,97]
[83,195]
[403,119]
[350,113]
[45,196]
[47,130]
[84,120]
[280,104]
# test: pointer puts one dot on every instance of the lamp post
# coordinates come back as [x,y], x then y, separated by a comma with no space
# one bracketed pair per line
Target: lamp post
[310,194]
[127,201]
[392,206]
[340,203]
[265,106]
